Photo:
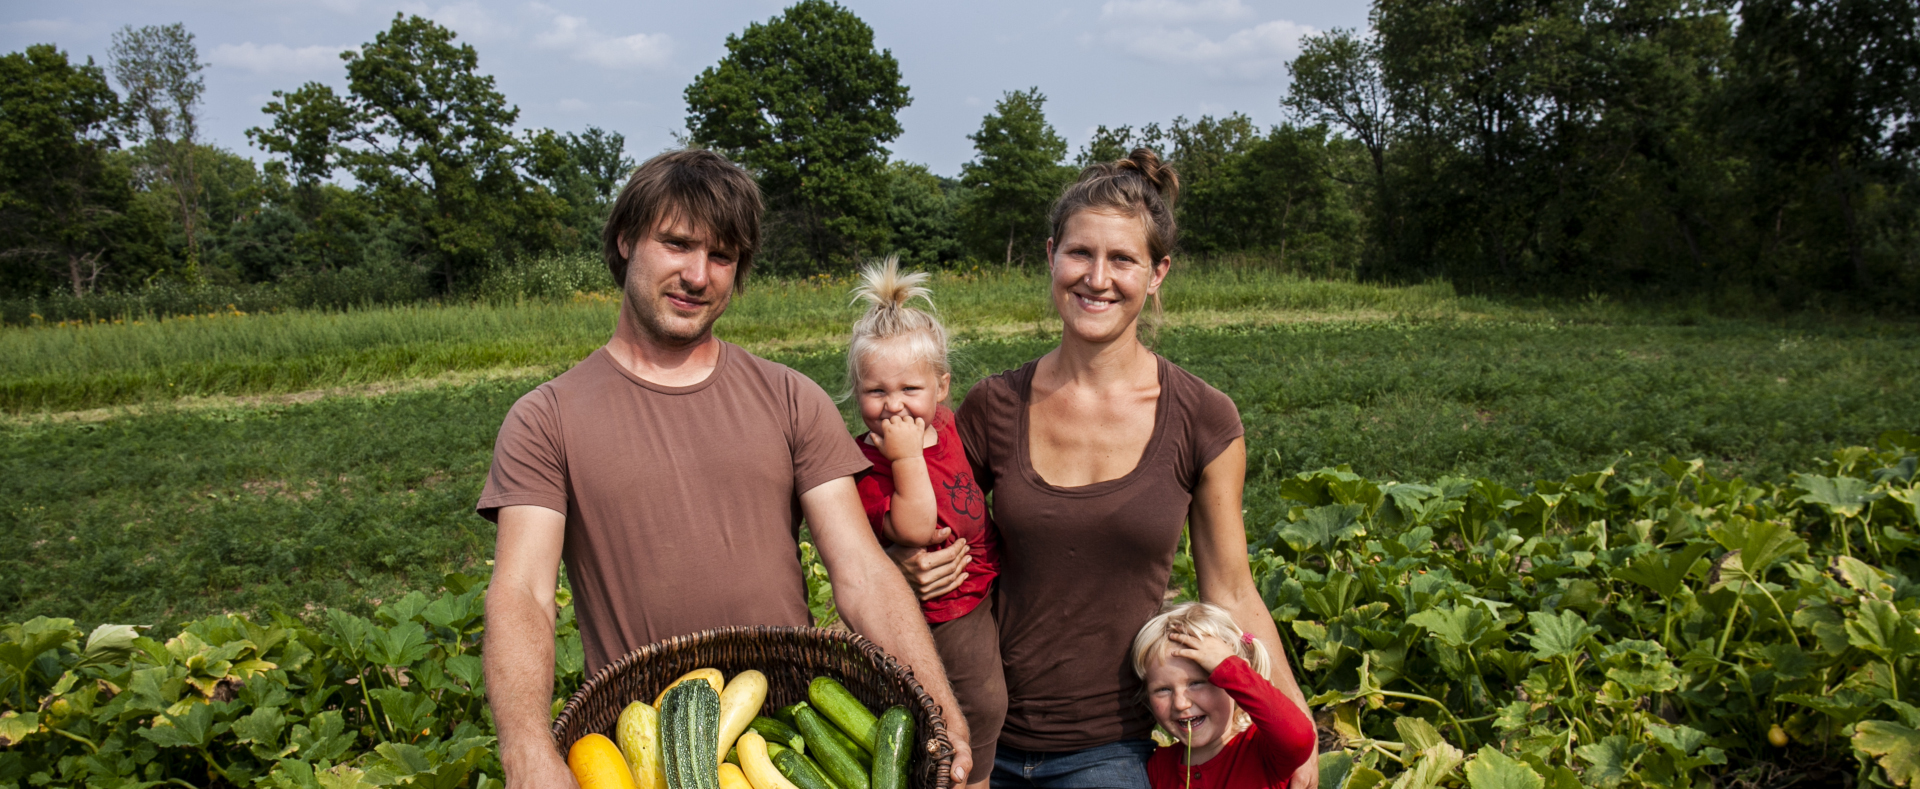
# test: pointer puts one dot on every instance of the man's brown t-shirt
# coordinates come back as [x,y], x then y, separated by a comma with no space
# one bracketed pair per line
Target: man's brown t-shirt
[1083,568]
[682,502]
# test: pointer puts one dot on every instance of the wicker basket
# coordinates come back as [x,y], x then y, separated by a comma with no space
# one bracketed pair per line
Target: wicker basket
[790,657]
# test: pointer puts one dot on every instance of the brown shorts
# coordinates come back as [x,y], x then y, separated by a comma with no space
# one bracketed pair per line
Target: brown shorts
[970,649]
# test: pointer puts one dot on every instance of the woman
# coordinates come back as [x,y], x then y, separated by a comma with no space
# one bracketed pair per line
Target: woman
[1098,453]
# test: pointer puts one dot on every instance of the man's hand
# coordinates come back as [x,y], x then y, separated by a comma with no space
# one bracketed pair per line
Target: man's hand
[902,437]
[932,573]
[877,603]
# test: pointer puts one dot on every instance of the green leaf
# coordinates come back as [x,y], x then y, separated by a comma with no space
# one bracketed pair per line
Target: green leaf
[1879,628]
[399,646]
[1460,627]
[1491,769]
[1321,527]
[15,727]
[261,727]
[1335,768]
[1760,543]
[1895,747]
[1845,497]
[1554,636]
[25,642]
[1435,764]
[407,710]
[1661,571]
[1641,666]
[1612,758]
[1418,733]
[195,729]
[325,740]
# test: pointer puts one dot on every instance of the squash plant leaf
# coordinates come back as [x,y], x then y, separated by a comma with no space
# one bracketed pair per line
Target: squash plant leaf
[1661,571]
[15,727]
[1881,629]
[1843,497]
[1491,769]
[1554,636]
[1612,758]
[1460,627]
[1896,747]
[1760,543]
[1321,527]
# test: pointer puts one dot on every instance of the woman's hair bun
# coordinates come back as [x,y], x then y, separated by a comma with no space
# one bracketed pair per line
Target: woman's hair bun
[1162,175]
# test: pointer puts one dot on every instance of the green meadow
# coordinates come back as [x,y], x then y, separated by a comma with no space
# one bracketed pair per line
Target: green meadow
[159,471]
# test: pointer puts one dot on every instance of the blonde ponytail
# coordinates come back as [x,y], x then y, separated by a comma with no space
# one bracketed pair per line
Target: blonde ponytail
[890,316]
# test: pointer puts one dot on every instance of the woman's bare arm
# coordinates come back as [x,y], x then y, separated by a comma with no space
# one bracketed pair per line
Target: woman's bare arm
[1219,540]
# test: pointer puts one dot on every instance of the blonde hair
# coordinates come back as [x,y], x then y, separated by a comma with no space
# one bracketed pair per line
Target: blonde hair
[1205,620]
[891,317]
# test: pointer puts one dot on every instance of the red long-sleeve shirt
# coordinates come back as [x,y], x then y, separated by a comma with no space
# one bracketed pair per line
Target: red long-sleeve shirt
[1265,755]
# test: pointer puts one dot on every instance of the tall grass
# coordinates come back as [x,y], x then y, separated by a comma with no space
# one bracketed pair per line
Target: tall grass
[58,368]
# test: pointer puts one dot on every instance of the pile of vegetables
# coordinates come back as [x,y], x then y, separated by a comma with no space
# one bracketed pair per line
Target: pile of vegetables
[830,741]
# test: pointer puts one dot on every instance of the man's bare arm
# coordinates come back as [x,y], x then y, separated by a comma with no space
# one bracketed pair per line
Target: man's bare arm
[876,602]
[518,653]
[1220,563]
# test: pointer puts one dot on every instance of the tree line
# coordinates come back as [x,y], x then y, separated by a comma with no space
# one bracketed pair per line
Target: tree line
[1762,150]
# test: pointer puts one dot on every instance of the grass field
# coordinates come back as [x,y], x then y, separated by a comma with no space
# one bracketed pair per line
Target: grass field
[163,471]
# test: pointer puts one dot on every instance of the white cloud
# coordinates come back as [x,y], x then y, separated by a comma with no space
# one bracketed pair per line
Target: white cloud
[470,20]
[276,58]
[573,35]
[1257,52]
[1174,12]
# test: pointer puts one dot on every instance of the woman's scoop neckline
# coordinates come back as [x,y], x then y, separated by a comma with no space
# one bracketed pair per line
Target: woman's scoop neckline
[1032,475]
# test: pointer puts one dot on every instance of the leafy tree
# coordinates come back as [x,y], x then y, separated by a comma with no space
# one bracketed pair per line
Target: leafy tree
[1831,84]
[159,67]
[1015,175]
[806,103]
[430,140]
[1277,196]
[586,170]
[921,216]
[64,196]
[1336,81]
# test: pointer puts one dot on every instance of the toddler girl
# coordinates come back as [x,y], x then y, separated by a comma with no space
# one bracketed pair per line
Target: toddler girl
[921,491]
[1206,682]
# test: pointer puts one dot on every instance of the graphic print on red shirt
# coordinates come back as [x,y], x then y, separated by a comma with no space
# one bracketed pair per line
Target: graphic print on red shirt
[958,505]
[1264,755]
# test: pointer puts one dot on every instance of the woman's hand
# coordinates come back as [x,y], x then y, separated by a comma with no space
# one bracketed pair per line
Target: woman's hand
[932,573]
[1207,651]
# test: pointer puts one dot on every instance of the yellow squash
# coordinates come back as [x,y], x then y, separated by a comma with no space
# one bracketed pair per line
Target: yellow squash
[596,764]
[639,733]
[711,675]
[755,764]
[732,778]
[738,704]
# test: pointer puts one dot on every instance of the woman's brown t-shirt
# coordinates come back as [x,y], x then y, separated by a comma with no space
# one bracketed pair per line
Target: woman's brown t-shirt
[1082,569]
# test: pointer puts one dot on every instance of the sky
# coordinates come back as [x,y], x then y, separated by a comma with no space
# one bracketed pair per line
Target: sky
[622,66]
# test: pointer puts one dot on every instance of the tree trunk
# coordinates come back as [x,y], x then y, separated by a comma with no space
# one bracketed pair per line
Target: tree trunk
[73,273]
[1853,233]
[1011,227]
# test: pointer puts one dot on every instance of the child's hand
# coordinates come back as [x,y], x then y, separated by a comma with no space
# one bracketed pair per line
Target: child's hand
[902,436]
[1207,651]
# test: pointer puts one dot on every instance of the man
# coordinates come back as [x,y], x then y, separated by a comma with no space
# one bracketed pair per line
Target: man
[665,470]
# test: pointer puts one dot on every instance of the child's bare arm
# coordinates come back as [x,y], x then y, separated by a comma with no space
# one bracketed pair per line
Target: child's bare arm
[912,518]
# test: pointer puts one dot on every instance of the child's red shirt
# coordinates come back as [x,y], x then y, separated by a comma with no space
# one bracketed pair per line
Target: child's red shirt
[958,505]
[1265,755]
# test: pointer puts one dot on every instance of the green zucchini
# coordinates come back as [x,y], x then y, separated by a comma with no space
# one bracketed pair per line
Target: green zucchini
[775,731]
[689,727]
[835,758]
[785,714]
[798,768]
[893,749]
[838,705]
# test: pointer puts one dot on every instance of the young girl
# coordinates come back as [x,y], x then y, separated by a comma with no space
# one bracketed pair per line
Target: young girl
[921,491]
[1206,682]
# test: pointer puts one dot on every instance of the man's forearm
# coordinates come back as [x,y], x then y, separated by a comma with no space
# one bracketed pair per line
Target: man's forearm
[518,657]
[879,605]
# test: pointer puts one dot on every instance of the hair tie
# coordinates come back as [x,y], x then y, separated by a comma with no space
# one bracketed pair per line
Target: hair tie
[1246,638]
